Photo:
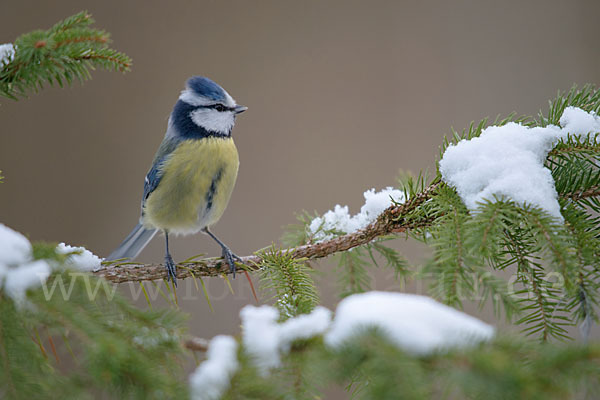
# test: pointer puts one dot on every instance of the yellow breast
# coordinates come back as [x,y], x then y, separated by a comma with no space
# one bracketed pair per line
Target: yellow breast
[196,184]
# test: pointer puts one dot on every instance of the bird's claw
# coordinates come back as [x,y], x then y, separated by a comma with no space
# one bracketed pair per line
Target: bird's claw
[171,270]
[230,259]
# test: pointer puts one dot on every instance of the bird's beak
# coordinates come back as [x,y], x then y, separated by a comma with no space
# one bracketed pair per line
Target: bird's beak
[240,109]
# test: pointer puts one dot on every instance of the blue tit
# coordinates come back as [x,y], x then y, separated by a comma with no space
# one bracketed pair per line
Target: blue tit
[193,172]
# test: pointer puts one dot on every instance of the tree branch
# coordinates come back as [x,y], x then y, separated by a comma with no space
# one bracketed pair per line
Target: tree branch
[581,148]
[390,221]
[196,344]
[581,194]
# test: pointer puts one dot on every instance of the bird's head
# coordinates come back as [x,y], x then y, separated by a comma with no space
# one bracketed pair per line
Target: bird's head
[204,106]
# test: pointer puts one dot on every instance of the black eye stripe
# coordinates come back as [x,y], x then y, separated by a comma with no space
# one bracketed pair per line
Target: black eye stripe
[218,107]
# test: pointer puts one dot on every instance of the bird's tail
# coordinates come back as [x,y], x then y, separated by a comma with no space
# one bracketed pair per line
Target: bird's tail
[133,244]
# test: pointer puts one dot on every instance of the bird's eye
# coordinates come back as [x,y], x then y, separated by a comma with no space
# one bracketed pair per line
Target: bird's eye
[220,107]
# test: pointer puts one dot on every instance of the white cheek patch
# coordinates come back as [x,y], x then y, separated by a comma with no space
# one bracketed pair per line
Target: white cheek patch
[213,120]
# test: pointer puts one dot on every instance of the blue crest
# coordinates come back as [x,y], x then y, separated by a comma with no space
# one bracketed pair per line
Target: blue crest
[205,87]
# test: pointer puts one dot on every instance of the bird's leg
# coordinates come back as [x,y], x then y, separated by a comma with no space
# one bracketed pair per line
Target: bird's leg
[227,254]
[169,264]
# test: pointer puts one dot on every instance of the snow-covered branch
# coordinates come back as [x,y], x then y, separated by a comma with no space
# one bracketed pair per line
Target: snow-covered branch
[388,222]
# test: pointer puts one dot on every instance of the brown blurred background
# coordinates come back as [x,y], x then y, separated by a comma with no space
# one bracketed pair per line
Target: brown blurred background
[341,96]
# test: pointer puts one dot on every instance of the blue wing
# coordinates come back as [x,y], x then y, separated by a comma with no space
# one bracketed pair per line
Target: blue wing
[153,178]
[155,174]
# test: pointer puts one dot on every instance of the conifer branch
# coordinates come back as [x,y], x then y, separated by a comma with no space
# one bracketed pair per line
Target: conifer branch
[392,220]
[591,192]
[196,344]
[61,54]
[578,148]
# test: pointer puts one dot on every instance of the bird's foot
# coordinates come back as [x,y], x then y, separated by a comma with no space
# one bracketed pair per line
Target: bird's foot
[230,259]
[171,269]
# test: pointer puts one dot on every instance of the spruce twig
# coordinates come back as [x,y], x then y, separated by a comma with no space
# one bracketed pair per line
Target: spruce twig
[196,344]
[59,55]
